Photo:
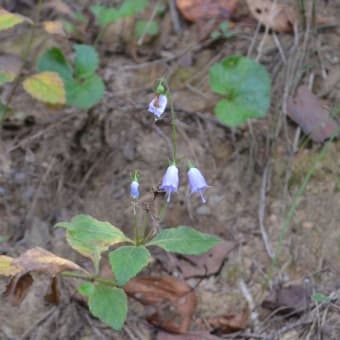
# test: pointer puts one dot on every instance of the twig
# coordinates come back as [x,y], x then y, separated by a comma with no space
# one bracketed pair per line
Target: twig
[253,314]
[262,207]
[174,16]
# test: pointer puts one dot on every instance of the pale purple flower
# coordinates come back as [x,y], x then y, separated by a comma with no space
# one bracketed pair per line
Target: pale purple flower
[134,189]
[158,105]
[170,181]
[197,182]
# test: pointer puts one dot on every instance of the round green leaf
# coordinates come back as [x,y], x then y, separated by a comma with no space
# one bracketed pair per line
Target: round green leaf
[184,240]
[86,289]
[86,60]
[46,86]
[109,304]
[54,60]
[246,85]
[85,94]
[91,237]
[128,261]
[8,19]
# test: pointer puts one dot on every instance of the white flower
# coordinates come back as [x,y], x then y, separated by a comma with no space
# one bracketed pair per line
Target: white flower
[197,182]
[158,105]
[170,181]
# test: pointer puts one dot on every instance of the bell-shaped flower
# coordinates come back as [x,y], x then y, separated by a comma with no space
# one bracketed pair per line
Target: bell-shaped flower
[197,182]
[134,189]
[158,105]
[170,181]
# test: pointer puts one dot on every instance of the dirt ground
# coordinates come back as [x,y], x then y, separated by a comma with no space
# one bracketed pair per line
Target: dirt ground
[59,162]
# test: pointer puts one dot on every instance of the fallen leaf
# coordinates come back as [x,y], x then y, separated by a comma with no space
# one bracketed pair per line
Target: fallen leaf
[279,17]
[194,10]
[187,336]
[59,6]
[37,260]
[53,294]
[230,322]
[54,27]
[203,265]
[18,288]
[289,300]
[308,112]
[169,302]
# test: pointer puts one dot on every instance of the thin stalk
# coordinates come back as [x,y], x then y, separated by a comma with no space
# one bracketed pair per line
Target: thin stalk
[296,200]
[173,128]
[90,278]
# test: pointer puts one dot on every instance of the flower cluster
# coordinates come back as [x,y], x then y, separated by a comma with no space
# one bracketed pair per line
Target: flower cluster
[170,181]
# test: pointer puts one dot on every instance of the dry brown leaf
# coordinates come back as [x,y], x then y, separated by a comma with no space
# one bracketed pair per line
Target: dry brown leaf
[60,6]
[8,267]
[170,302]
[230,322]
[203,265]
[18,287]
[289,300]
[308,112]
[194,10]
[279,17]
[54,27]
[187,336]
[41,260]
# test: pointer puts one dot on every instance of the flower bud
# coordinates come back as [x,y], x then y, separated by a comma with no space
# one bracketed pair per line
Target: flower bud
[158,105]
[197,182]
[170,181]
[134,189]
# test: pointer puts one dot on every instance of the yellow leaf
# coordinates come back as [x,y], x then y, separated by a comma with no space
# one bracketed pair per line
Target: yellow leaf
[8,19]
[54,27]
[8,267]
[47,87]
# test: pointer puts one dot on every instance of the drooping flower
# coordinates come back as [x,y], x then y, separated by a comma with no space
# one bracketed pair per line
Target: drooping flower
[158,104]
[134,187]
[197,182]
[170,181]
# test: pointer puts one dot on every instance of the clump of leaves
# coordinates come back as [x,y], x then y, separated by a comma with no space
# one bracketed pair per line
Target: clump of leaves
[245,85]
[223,32]
[84,87]
[91,237]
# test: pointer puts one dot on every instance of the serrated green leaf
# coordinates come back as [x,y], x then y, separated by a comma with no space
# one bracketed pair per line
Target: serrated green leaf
[184,240]
[8,19]
[85,94]
[47,87]
[146,27]
[247,86]
[86,60]
[91,237]
[126,262]
[109,304]
[54,60]
[86,289]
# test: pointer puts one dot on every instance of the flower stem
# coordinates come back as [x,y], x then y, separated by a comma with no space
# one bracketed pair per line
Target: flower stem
[90,278]
[173,128]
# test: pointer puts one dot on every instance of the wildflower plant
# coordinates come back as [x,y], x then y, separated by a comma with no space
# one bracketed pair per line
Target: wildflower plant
[127,255]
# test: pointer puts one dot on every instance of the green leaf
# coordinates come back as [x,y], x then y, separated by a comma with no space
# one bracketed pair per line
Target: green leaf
[46,86]
[131,7]
[105,15]
[146,27]
[86,60]
[247,86]
[86,289]
[109,304]
[184,240]
[54,60]
[91,237]
[85,94]
[128,261]
[318,297]
[8,19]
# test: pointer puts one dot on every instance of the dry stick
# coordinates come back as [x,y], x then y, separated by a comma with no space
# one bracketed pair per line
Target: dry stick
[262,207]
[174,16]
